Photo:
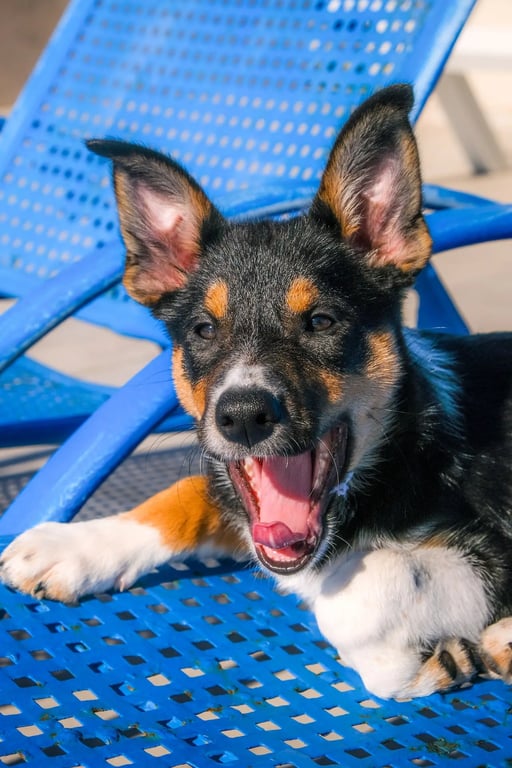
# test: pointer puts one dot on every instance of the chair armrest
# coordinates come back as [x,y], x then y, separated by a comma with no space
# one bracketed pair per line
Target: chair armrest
[265,201]
[468,226]
[452,229]
[59,297]
[79,466]
[275,200]
[439,198]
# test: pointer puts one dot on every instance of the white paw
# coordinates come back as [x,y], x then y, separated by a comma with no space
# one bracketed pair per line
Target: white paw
[63,561]
[496,649]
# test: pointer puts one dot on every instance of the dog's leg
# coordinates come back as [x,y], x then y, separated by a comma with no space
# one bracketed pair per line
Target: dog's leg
[385,609]
[64,561]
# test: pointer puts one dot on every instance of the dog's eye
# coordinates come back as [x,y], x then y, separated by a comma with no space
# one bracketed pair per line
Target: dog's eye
[319,322]
[206,331]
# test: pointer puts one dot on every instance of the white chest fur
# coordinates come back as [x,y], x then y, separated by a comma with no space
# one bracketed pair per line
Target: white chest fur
[379,608]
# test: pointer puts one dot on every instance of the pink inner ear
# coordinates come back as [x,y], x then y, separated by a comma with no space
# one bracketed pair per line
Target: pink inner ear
[163,214]
[172,227]
[379,197]
[382,214]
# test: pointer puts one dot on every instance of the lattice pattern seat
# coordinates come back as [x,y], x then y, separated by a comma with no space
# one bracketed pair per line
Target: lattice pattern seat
[205,665]
[33,391]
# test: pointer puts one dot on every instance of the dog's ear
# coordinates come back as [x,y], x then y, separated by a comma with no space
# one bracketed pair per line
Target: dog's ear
[164,216]
[372,184]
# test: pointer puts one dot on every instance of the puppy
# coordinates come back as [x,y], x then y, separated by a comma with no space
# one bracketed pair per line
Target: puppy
[363,465]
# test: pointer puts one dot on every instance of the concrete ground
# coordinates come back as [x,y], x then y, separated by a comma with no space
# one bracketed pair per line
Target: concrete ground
[479,277]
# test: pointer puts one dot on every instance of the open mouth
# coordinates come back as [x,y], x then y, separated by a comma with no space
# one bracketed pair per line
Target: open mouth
[286,498]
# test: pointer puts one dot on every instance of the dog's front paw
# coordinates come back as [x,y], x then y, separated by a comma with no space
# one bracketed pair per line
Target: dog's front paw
[63,561]
[452,663]
[58,561]
[48,561]
[496,649]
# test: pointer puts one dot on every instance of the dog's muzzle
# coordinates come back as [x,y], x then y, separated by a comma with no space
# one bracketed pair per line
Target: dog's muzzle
[286,498]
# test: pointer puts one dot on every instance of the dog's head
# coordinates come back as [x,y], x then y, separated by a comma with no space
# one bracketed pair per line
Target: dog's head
[286,334]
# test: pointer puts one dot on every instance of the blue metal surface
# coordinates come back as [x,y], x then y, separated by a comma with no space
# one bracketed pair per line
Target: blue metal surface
[206,666]
[35,315]
[467,226]
[439,198]
[37,402]
[475,221]
[436,311]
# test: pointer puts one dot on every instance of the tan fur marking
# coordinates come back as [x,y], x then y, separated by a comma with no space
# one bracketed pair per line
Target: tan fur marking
[131,278]
[333,385]
[330,193]
[301,295]
[192,398]
[202,206]
[216,299]
[368,395]
[186,517]
[132,270]
[383,363]
[124,203]
[199,392]
[437,540]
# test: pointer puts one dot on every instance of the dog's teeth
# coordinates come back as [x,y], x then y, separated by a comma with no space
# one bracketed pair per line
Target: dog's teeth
[249,467]
[322,460]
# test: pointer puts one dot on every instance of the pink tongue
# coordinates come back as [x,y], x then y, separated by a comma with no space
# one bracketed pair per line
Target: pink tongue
[284,488]
[275,535]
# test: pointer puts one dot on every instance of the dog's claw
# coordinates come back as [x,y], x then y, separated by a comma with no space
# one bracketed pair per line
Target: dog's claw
[39,590]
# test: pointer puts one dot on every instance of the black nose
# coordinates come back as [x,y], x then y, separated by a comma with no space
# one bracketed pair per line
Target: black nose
[247,416]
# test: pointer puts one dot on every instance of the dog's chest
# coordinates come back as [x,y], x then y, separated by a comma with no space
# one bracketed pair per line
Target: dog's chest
[396,596]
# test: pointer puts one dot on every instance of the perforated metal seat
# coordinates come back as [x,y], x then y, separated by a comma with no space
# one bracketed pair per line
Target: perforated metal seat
[206,665]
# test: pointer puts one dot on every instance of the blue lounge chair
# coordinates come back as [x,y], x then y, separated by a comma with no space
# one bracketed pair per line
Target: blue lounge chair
[203,664]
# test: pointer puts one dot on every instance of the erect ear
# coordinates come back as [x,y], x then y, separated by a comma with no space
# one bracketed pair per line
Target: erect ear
[163,215]
[372,183]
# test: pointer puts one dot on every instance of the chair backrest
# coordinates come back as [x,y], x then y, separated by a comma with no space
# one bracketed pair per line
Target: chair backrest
[247,94]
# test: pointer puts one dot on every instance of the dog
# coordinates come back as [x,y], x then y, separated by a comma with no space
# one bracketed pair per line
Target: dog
[364,465]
